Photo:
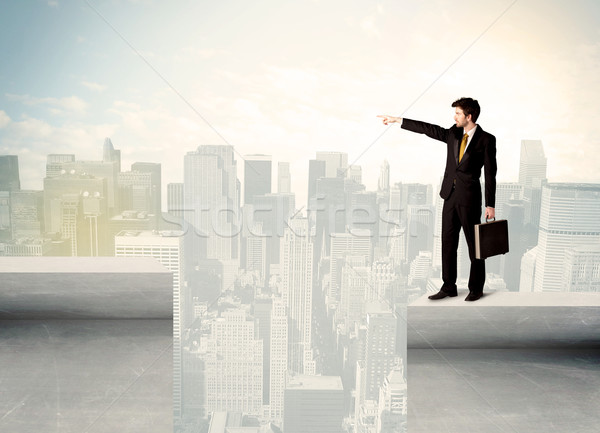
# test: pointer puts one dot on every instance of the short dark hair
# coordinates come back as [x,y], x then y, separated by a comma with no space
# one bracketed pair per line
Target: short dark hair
[468,106]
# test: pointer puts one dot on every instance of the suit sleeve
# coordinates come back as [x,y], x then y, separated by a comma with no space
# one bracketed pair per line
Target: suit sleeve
[490,168]
[433,131]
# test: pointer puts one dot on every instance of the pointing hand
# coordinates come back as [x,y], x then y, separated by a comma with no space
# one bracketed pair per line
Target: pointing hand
[390,119]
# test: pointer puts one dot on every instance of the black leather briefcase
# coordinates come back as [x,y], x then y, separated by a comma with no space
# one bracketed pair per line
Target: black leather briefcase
[491,239]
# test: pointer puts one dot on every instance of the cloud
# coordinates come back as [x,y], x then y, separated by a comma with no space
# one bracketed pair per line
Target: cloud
[53,4]
[96,87]
[4,119]
[369,23]
[66,105]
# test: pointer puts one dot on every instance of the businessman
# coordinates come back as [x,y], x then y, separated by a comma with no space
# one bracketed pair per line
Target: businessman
[469,149]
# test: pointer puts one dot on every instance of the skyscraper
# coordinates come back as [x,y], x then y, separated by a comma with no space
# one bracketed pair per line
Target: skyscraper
[355,285]
[510,269]
[420,227]
[110,154]
[316,170]
[135,191]
[175,199]
[154,169]
[71,219]
[354,244]
[55,163]
[533,162]
[569,218]
[532,176]
[314,404]
[108,170]
[262,309]
[167,249]
[5,230]
[296,289]
[363,212]
[393,408]
[257,176]
[9,173]
[383,184]
[278,358]
[272,211]
[330,210]
[380,347]
[233,360]
[335,162]
[256,251]
[354,173]
[27,213]
[71,182]
[284,178]
[211,201]
[582,269]
[383,276]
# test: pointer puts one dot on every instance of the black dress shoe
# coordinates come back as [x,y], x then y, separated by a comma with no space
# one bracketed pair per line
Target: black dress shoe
[473,296]
[441,295]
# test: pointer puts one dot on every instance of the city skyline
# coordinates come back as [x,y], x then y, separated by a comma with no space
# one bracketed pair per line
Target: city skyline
[268,85]
[358,277]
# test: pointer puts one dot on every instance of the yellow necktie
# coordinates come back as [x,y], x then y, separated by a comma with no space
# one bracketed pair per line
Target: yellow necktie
[463,145]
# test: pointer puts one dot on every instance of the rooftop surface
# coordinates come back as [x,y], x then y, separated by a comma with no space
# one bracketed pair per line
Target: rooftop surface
[509,362]
[94,265]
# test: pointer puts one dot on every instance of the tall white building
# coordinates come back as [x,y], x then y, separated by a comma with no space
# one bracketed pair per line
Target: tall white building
[382,277]
[278,359]
[397,244]
[582,269]
[505,192]
[55,162]
[420,267]
[232,356]
[527,278]
[354,173]
[175,203]
[532,163]
[256,251]
[296,254]
[135,191]
[532,176]
[284,178]
[420,226]
[380,348]
[383,184]
[357,243]
[355,285]
[334,162]
[393,409]
[314,404]
[568,218]
[167,248]
[211,197]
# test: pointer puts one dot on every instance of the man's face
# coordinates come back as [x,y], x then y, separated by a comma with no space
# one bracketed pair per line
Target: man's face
[460,118]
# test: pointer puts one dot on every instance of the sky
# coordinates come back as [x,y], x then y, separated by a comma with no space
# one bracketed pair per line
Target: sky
[289,78]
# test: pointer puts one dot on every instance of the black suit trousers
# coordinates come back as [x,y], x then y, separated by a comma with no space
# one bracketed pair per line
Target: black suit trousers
[455,217]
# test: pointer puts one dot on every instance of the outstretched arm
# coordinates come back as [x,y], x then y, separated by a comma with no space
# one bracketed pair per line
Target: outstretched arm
[434,131]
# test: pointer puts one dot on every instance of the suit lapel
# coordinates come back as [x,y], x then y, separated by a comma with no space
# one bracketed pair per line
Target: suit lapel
[473,143]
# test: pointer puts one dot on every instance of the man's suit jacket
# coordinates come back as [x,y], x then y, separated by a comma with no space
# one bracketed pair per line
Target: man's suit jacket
[464,176]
